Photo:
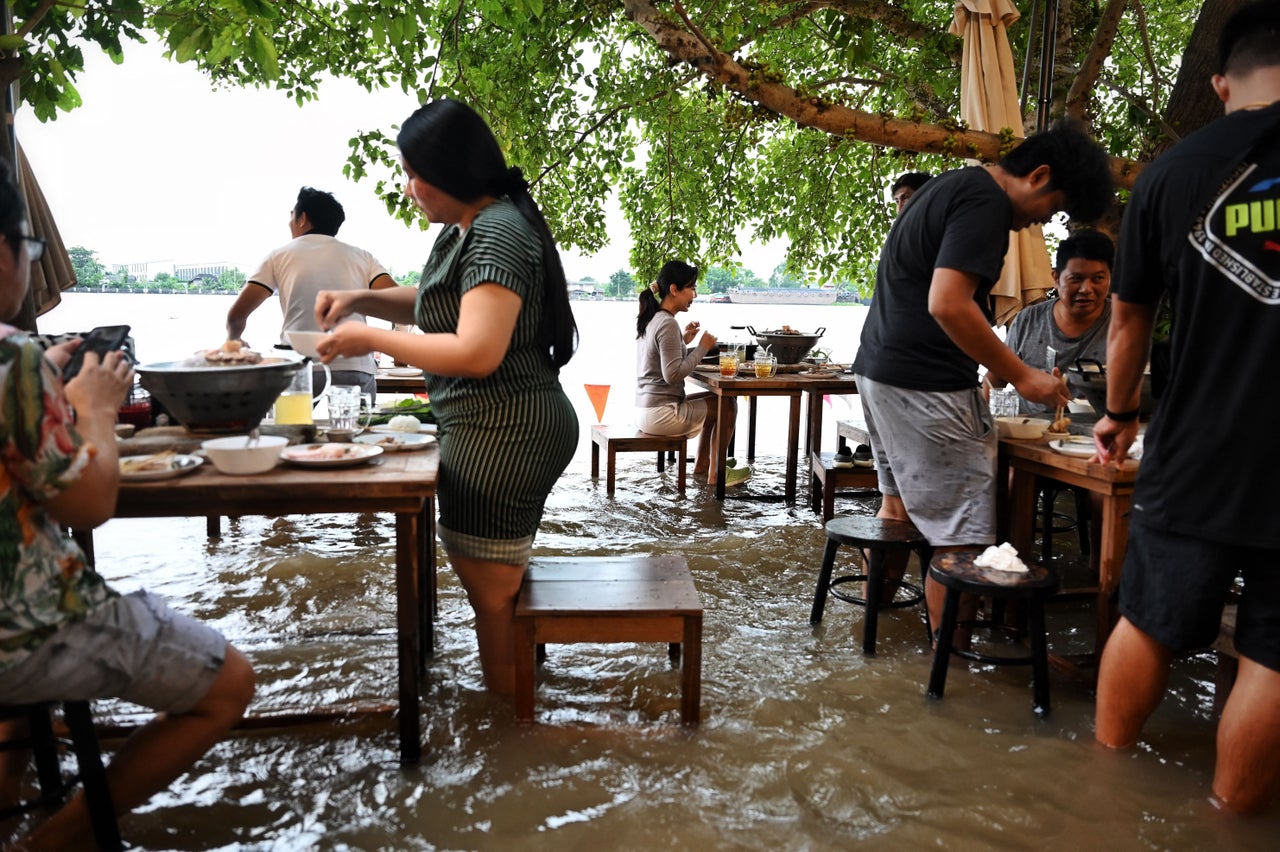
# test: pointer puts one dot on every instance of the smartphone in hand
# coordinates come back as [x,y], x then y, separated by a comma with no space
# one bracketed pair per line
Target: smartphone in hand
[103,339]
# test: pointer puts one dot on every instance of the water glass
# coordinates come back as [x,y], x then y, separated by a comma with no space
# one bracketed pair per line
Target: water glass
[1004,402]
[349,409]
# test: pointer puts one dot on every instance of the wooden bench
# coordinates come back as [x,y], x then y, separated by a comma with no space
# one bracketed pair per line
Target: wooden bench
[609,599]
[628,439]
[825,479]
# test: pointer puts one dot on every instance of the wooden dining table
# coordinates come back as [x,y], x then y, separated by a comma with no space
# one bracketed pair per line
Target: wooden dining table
[1020,462]
[795,387]
[401,483]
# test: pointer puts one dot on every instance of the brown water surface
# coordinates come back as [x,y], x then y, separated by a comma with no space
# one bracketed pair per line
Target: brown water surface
[805,743]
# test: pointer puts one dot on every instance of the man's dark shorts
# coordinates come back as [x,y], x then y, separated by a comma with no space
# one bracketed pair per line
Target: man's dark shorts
[1174,586]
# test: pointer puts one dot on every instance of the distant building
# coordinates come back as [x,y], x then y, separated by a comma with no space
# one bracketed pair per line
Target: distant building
[192,271]
[584,290]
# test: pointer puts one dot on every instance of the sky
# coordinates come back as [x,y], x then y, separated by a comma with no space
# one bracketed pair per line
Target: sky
[158,166]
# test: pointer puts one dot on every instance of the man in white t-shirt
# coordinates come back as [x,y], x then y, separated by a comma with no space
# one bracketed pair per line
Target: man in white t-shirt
[314,260]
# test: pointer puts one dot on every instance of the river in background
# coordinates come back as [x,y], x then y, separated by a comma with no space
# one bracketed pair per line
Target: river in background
[805,743]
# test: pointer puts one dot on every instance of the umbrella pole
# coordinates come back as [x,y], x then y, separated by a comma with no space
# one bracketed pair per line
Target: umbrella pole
[1048,47]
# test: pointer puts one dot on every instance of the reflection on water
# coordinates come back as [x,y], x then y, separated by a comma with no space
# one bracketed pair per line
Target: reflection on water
[805,744]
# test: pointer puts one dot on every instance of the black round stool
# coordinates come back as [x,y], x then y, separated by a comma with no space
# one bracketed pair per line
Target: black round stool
[879,537]
[43,745]
[956,572]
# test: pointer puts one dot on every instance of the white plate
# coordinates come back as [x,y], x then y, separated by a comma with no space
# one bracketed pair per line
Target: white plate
[384,429]
[178,465]
[1080,446]
[819,373]
[355,454]
[403,372]
[397,442]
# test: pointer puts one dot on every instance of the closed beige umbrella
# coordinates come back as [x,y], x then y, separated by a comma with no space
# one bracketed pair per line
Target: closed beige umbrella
[54,272]
[989,102]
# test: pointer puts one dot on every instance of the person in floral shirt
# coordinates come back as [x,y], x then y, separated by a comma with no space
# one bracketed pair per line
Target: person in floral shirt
[64,633]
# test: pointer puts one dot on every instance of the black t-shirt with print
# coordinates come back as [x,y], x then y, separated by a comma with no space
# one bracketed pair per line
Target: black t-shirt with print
[1208,231]
[958,220]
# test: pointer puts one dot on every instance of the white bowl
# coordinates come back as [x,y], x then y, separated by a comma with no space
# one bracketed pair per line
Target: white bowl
[1023,428]
[233,455]
[304,342]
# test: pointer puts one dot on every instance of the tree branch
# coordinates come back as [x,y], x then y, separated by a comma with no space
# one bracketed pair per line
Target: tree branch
[1103,37]
[1141,105]
[814,112]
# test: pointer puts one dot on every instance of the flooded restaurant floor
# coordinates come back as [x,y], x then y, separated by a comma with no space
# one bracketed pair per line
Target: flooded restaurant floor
[805,743]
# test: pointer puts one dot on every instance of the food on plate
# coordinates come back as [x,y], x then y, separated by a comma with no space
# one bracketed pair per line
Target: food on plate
[325,452]
[417,407]
[149,464]
[232,352]
[404,423]
[1060,425]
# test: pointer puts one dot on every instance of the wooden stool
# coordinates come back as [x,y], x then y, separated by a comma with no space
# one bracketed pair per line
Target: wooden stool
[957,573]
[53,788]
[880,537]
[627,439]
[605,599]
[825,479]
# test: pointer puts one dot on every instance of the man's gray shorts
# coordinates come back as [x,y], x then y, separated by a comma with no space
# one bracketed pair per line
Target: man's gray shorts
[133,647]
[936,450]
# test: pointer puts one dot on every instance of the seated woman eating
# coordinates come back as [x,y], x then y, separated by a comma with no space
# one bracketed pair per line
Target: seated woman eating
[664,360]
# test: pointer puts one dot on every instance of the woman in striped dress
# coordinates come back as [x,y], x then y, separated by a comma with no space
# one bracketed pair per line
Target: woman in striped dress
[494,306]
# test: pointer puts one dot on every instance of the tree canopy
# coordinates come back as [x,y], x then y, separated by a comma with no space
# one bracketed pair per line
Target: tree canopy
[707,118]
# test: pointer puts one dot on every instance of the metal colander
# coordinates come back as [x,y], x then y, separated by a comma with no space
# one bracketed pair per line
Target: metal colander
[219,398]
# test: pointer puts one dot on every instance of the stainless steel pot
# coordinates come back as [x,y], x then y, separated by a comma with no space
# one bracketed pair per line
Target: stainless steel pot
[219,398]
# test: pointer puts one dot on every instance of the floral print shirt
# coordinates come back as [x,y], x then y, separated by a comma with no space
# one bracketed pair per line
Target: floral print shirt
[44,579]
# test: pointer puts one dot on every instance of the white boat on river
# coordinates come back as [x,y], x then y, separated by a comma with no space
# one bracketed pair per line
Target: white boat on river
[784,296]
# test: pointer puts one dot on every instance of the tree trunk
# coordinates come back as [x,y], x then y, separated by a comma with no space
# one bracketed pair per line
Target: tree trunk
[1192,104]
[1103,37]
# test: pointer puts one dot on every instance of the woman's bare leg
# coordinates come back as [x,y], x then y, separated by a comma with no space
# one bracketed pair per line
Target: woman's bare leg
[492,588]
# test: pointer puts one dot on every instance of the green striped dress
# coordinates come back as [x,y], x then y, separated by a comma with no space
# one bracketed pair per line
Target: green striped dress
[506,438]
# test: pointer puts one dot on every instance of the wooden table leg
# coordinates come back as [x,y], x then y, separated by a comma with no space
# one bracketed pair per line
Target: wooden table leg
[691,671]
[793,447]
[720,455]
[408,541]
[813,438]
[427,599]
[1020,506]
[1115,537]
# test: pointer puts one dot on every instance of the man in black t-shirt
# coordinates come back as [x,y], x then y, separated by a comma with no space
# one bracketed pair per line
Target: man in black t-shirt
[930,326]
[1204,227]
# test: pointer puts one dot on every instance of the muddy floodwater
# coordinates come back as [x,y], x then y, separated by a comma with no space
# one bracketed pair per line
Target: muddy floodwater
[805,743]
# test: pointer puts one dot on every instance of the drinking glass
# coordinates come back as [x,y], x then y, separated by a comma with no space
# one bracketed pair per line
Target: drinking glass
[349,409]
[1004,402]
[766,365]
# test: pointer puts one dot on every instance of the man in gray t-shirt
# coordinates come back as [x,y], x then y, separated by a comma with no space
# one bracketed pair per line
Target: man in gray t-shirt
[1057,332]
